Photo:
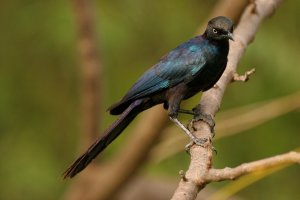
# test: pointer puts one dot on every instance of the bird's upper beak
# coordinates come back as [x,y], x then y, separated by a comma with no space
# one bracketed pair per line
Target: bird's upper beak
[230,36]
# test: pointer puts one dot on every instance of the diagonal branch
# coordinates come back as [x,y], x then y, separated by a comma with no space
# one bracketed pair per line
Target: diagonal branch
[201,158]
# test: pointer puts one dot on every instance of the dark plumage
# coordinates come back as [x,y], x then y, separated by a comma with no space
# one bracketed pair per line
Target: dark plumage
[193,66]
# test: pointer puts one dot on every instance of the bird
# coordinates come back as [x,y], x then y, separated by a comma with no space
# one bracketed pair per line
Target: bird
[193,66]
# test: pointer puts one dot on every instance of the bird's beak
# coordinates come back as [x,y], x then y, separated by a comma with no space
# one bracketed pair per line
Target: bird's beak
[230,36]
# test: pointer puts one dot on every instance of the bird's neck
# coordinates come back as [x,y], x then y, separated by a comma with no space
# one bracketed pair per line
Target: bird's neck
[220,44]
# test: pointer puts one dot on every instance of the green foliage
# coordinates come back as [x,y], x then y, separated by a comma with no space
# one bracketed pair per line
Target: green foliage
[39,104]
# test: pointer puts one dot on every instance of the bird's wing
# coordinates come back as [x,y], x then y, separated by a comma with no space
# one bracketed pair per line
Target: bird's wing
[180,65]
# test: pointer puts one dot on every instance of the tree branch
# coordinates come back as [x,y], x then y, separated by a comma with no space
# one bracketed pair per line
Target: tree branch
[246,168]
[201,158]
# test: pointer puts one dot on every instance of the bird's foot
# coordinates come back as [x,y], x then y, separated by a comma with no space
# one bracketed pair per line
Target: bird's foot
[199,142]
[206,118]
[195,140]
[198,115]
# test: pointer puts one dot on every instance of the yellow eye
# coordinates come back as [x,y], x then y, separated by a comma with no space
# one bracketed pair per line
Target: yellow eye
[214,30]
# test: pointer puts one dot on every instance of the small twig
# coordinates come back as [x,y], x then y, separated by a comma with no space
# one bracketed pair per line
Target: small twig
[182,175]
[243,78]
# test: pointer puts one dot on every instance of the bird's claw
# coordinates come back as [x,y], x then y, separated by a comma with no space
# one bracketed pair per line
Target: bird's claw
[206,118]
[198,115]
[190,125]
[194,139]
[199,142]
[188,147]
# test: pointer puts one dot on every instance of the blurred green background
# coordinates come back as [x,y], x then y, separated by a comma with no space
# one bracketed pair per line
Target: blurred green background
[39,87]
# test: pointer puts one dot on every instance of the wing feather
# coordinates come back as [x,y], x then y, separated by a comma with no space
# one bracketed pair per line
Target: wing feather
[180,65]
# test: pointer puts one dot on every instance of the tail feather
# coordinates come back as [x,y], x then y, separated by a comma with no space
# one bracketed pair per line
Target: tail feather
[110,134]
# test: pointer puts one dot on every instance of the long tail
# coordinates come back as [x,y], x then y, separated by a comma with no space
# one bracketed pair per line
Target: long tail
[110,134]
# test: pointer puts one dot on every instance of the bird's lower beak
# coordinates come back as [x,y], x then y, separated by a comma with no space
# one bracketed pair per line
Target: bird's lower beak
[230,36]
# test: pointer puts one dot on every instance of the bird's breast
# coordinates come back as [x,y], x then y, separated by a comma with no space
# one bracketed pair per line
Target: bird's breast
[216,59]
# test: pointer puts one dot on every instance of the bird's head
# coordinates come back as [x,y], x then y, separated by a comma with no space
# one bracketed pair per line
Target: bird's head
[219,28]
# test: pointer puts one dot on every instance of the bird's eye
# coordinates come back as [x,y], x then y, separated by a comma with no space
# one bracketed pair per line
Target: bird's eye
[215,30]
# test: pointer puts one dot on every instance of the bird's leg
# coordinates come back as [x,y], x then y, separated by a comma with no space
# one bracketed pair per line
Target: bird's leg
[199,115]
[198,141]
[175,95]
